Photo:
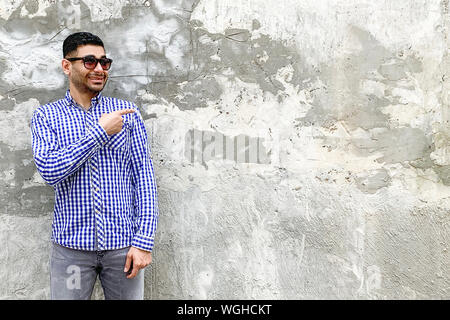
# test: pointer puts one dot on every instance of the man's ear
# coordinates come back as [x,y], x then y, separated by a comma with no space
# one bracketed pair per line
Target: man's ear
[66,65]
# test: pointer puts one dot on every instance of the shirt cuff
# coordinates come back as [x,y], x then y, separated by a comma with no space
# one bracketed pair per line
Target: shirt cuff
[99,134]
[143,242]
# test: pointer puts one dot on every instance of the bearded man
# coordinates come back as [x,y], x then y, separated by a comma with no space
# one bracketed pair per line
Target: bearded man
[94,151]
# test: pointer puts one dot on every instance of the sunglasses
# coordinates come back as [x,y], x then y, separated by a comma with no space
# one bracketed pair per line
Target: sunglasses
[90,62]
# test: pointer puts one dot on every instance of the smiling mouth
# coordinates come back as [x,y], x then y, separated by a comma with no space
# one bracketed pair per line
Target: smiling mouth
[96,79]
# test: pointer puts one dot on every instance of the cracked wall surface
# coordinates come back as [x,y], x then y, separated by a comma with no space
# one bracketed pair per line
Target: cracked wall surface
[300,148]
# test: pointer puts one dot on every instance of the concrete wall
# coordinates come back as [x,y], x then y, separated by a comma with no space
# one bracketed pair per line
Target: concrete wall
[300,147]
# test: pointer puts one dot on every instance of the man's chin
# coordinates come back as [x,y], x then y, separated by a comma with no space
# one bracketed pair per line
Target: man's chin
[96,89]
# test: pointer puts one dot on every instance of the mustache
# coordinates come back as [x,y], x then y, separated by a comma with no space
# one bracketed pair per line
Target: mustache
[95,74]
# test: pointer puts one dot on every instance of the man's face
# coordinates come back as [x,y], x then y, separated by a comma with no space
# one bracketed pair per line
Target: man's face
[82,78]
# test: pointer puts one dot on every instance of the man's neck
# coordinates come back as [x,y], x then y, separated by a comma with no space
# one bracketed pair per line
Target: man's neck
[83,98]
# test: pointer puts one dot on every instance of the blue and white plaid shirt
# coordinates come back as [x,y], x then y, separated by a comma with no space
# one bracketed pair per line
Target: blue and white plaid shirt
[105,189]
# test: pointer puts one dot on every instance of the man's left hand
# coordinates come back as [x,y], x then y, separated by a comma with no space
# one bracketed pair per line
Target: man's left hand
[139,258]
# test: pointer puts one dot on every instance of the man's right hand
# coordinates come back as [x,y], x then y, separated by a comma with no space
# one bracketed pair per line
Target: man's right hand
[113,122]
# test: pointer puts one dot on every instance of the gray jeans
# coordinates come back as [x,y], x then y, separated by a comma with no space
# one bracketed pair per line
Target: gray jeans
[73,274]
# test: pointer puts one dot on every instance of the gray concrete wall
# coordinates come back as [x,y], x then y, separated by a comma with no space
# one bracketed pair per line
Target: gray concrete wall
[300,147]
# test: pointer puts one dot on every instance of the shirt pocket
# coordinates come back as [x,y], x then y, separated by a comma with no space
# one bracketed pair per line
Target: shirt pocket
[121,140]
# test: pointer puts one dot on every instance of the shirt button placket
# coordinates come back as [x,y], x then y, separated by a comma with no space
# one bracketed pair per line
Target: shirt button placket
[95,187]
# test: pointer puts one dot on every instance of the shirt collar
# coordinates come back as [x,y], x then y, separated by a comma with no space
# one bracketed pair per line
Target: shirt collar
[94,101]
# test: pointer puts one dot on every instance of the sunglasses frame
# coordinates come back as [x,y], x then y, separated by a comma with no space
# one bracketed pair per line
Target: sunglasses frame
[97,61]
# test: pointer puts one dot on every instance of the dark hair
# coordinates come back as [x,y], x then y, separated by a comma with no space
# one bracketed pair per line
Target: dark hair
[77,39]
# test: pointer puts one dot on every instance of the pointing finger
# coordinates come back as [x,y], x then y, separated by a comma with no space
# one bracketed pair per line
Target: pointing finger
[125,111]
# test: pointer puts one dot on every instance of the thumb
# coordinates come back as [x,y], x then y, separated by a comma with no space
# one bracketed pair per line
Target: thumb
[128,263]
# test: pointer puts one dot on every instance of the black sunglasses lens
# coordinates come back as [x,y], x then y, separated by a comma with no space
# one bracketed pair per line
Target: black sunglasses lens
[105,63]
[90,62]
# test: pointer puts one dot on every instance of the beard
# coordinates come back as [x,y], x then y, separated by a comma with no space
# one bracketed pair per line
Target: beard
[92,82]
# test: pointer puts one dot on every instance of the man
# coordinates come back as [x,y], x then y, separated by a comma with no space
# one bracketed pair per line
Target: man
[93,150]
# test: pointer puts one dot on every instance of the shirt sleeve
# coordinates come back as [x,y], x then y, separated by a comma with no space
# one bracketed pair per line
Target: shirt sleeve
[146,200]
[55,163]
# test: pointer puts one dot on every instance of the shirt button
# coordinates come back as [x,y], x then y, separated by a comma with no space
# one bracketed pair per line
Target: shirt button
[97,189]
[96,211]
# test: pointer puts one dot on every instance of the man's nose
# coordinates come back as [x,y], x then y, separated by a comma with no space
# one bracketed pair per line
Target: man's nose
[98,67]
